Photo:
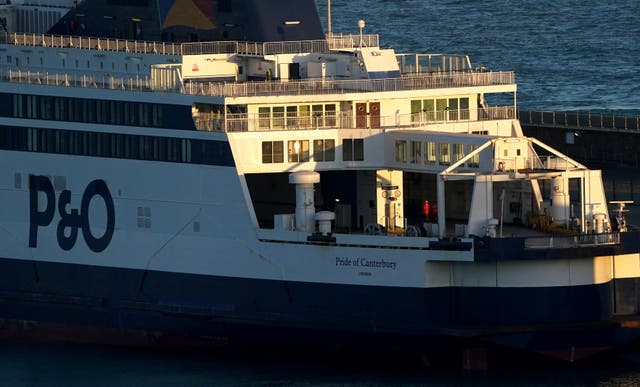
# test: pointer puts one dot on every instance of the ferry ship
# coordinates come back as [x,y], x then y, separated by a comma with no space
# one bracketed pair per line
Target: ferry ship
[283,183]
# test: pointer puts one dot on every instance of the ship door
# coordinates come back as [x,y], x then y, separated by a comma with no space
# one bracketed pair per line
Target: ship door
[361,115]
[294,70]
[374,114]
[368,115]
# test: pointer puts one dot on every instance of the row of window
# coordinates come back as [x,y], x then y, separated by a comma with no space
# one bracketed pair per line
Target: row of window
[431,153]
[323,150]
[63,62]
[123,146]
[440,109]
[297,116]
[86,110]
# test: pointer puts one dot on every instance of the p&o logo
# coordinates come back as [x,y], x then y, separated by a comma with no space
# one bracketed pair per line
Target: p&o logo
[72,219]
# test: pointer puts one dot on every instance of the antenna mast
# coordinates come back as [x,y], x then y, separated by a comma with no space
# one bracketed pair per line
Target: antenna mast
[329,17]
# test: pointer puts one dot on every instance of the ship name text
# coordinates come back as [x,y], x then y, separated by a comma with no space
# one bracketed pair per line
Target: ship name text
[365,262]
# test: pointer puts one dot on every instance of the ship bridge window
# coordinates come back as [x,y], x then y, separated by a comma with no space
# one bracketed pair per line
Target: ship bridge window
[272,152]
[401,151]
[298,151]
[353,149]
[324,150]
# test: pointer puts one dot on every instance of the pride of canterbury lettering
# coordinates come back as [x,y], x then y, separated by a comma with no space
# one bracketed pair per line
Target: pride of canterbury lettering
[71,219]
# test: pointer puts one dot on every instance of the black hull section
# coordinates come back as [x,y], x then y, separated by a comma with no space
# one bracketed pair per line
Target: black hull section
[246,309]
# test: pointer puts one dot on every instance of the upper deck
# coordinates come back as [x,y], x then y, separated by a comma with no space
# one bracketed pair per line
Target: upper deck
[157,66]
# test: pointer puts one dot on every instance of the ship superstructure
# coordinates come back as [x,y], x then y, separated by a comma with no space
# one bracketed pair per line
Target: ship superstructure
[325,186]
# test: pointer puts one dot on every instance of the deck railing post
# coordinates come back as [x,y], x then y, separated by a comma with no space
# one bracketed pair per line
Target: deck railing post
[613,120]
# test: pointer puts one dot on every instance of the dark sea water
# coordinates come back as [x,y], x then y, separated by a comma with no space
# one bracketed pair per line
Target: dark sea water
[567,54]
[38,364]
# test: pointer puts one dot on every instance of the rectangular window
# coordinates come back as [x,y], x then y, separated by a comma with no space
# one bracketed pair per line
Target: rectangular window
[32,140]
[292,117]
[317,112]
[143,114]
[278,152]
[428,108]
[474,161]
[305,115]
[47,108]
[32,106]
[416,110]
[453,109]
[415,150]
[401,151]
[430,152]
[298,151]
[264,117]
[445,157]
[347,149]
[324,150]
[156,115]
[441,109]
[272,152]
[330,115]
[458,152]
[17,106]
[358,149]
[186,150]
[278,117]
[464,108]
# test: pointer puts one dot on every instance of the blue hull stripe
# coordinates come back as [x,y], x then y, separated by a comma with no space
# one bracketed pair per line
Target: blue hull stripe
[220,306]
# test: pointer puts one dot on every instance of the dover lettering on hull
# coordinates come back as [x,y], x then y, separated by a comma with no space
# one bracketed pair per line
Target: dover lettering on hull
[364,262]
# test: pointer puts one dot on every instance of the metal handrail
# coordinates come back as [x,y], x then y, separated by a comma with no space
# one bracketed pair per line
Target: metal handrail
[242,122]
[319,86]
[580,119]
[332,42]
[246,89]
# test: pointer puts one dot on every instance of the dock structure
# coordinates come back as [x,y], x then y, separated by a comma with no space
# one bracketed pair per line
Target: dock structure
[605,140]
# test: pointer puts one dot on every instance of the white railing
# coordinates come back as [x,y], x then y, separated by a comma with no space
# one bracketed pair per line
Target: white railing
[342,41]
[414,82]
[87,43]
[243,122]
[198,48]
[429,63]
[137,83]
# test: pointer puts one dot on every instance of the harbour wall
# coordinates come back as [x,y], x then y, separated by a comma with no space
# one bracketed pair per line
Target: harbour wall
[605,141]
